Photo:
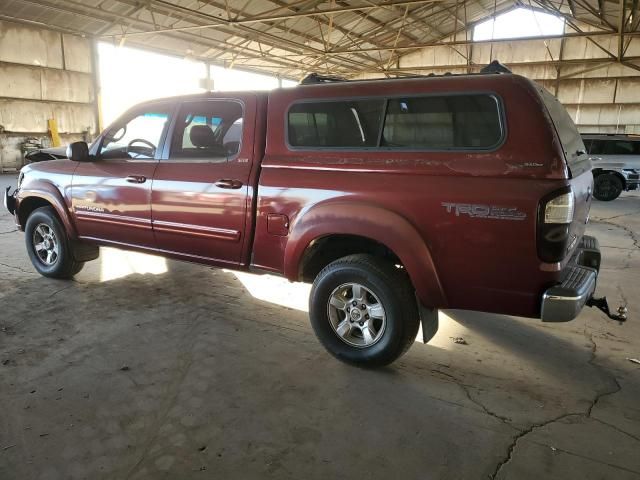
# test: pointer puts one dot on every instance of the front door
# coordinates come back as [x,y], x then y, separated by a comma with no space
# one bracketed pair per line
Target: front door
[200,187]
[111,195]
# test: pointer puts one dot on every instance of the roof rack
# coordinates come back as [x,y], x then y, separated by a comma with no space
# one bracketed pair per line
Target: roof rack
[314,78]
[495,67]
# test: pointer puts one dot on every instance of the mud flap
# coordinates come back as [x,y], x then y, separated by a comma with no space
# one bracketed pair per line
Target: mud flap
[83,252]
[9,201]
[428,322]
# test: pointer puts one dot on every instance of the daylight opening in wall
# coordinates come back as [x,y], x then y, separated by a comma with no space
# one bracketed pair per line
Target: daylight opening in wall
[518,23]
[129,76]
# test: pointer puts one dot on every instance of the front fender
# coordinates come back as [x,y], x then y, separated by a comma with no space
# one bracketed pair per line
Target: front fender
[376,223]
[48,192]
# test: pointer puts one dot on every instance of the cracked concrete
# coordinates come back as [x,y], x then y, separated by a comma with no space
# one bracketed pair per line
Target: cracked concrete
[146,369]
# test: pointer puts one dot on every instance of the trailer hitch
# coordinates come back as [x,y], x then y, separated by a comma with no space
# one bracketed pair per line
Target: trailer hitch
[602,305]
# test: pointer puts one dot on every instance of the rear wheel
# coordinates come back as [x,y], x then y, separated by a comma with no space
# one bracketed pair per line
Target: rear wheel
[48,245]
[363,310]
[607,187]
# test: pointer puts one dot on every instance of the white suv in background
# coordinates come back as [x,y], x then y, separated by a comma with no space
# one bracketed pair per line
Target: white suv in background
[616,163]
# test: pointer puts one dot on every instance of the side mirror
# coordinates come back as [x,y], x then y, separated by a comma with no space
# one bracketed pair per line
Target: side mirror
[78,152]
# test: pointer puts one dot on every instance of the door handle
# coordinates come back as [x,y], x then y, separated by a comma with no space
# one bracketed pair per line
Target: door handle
[136,179]
[228,183]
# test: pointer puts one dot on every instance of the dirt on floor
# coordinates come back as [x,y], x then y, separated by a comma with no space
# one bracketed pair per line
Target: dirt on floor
[143,368]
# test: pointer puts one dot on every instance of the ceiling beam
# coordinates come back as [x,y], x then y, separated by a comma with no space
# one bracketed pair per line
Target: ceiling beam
[552,8]
[195,16]
[601,9]
[463,66]
[447,43]
[258,19]
[74,8]
[593,12]
[287,30]
[223,25]
[621,27]
[366,15]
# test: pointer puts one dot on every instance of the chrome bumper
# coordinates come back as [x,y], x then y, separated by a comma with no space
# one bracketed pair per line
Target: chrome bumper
[9,201]
[563,302]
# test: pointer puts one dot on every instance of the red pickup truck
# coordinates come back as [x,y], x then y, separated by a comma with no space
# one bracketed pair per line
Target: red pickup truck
[394,197]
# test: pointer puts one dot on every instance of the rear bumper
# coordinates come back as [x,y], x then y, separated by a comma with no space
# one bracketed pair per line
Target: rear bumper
[9,201]
[563,302]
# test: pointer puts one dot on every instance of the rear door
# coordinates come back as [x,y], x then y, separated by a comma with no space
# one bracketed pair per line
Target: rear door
[200,187]
[111,196]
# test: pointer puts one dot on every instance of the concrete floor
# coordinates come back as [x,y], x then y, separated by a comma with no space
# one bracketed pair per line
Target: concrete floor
[143,368]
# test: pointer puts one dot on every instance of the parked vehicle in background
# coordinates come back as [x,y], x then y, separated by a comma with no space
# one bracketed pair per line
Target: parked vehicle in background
[616,163]
[394,197]
[44,154]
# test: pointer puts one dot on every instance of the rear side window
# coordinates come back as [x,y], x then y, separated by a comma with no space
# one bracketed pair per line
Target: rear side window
[209,131]
[338,124]
[443,122]
[420,123]
[594,147]
[613,147]
[618,147]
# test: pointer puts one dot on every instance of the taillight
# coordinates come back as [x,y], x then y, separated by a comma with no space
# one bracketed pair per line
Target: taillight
[555,214]
[560,209]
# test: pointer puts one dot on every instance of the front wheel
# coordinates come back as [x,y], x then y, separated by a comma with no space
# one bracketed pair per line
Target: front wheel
[48,245]
[363,310]
[607,187]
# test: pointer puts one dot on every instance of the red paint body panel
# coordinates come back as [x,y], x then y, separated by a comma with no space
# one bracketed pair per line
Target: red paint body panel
[193,216]
[50,183]
[292,197]
[106,206]
[475,263]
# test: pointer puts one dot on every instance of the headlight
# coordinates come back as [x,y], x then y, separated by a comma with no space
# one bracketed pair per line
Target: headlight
[20,179]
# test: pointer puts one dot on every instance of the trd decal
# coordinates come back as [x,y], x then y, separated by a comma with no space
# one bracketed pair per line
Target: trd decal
[484,211]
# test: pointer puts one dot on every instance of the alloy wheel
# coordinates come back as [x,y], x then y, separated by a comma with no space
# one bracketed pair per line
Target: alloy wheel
[356,315]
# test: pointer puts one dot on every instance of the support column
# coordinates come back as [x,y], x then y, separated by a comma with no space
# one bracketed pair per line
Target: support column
[97,93]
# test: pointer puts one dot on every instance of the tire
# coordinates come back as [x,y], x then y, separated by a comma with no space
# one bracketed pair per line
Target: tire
[607,187]
[48,246]
[379,289]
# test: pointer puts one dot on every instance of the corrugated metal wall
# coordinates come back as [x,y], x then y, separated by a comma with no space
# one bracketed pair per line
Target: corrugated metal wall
[43,74]
[600,94]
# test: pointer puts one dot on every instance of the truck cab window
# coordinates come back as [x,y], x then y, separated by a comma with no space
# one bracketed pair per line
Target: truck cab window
[135,137]
[207,131]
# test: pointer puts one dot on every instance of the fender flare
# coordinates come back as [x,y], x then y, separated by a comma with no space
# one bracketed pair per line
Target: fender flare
[373,222]
[50,193]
